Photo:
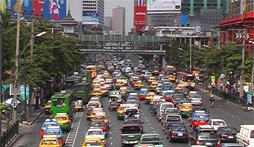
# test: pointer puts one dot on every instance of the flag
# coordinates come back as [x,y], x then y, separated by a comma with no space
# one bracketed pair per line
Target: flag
[3,6]
[140,2]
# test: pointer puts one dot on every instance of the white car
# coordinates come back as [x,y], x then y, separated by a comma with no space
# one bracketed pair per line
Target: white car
[216,123]
[95,132]
[131,111]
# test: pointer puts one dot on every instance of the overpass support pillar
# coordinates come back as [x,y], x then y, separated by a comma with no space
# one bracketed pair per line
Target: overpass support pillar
[163,61]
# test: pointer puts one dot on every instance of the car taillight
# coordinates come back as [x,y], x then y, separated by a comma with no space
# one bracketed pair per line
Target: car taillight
[224,136]
[197,142]
[174,134]
[67,123]
[104,129]
[60,140]
[42,132]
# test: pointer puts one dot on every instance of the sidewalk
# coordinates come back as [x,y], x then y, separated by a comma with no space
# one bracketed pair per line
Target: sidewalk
[220,98]
[22,125]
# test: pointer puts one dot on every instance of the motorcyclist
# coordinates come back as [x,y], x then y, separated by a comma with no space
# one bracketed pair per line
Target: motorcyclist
[212,100]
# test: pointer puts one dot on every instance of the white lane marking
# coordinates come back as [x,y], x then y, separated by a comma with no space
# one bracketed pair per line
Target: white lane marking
[152,128]
[149,124]
[71,127]
[77,130]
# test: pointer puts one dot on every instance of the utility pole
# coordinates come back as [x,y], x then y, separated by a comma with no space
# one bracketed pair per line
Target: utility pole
[241,77]
[16,87]
[190,55]
[32,38]
[1,59]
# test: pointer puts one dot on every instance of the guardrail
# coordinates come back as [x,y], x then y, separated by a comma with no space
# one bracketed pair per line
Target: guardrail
[159,52]
[229,97]
[9,134]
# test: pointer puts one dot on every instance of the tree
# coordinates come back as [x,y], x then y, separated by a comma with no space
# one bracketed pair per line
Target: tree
[2,108]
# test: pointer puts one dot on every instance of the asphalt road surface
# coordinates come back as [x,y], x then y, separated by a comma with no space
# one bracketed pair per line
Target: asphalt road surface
[232,114]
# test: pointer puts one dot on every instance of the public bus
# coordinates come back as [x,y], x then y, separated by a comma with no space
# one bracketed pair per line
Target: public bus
[62,103]
[81,91]
[187,78]
[92,69]
[171,72]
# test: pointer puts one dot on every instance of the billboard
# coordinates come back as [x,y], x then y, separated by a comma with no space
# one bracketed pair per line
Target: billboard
[140,18]
[163,5]
[90,17]
[48,9]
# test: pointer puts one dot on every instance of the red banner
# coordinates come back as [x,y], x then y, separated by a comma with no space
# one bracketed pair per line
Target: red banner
[140,18]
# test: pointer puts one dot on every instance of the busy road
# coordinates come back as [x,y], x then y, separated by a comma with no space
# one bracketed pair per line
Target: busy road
[233,115]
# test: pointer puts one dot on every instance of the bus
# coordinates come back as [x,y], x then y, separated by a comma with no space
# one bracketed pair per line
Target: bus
[81,91]
[62,103]
[92,69]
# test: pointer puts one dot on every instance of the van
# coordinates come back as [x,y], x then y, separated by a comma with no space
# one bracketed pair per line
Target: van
[246,135]
[162,107]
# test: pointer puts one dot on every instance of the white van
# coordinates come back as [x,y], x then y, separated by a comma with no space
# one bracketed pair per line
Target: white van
[246,135]
[162,107]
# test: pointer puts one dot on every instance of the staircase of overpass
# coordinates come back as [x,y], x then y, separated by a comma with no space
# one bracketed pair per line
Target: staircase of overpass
[122,44]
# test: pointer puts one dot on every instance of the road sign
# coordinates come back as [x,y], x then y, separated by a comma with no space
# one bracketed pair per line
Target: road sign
[12,89]
[24,92]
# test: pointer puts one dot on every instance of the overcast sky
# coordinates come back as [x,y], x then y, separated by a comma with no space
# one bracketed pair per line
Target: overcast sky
[129,8]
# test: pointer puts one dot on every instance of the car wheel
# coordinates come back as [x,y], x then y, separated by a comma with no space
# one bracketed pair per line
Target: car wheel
[170,139]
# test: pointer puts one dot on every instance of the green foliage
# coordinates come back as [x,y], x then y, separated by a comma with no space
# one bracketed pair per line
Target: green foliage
[4,107]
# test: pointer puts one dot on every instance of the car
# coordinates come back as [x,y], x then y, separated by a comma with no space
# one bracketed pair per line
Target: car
[138,85]
[93,142]
[100,123]
[169,111]
[144,145]
[195,99]
[142,93]
[50,142]
[64,121]
[227,134]
[47,107]
[54,132]
[217,123]
[177,132]
[120,111]
[169,95]
[101,115]
[204,135]
[48,123]
[93,113]
[95,132]
[133,102]
[171,119]
[231,145]
[131,112]
[162,107]
[151,138]
[133,120]
[130,134]
[185,109]
[198,119]
[246,135]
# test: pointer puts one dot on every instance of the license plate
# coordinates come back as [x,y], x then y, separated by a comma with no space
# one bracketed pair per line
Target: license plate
[131,136]
[208,143]
[180,134]
[230,137]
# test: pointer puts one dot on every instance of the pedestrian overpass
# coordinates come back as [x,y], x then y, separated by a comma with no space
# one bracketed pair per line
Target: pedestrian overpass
[123,44]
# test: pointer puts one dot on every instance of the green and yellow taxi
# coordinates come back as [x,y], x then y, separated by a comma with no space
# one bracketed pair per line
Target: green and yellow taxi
[185,109]
[94,111]
[123,91]
[105,74]
[120,83]
[138,85]
[96,92]
[153,86]
[50,142]
[64,121]
[93,142]
[149,97]
[120,111]
[151,79]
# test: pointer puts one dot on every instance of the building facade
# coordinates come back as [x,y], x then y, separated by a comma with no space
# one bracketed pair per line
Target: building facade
[239,20]
[108,23]
[118,20]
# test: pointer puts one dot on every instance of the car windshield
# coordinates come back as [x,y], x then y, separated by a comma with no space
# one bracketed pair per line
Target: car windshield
[227,130]
[219,123]
[207,134]
[50,124]
[131,101]
[168,111]
[179,128]
[59,118]
[131,130]
[59,102]
[132,121]
[93,143]
[97,122]
[173,119]
[93,105]
[131,111]
[252,134]
[94,133]
[151,138]
[164,106]
[52,132]
[49,142]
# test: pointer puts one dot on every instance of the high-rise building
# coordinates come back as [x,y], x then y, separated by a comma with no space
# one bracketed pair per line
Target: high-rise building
[108,23]
[118,20]
[240,16]
[93,12]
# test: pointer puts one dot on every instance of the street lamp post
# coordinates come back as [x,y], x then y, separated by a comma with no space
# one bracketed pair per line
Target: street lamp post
[190,54]
[1,56]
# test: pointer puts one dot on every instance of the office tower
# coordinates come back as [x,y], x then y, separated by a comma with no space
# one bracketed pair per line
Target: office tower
[118,20]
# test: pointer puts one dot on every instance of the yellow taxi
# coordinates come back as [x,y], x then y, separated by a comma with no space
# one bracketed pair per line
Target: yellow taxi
[172,78]
[138,85]
[120,111]
[149,96]
[151,79]
[96,93]
[123,90]
[153,86]
[185,109]
[120,83]
[94,111]
[90,142]
[105,74]
[50,142]
[95,84]
[101,115]
[64,121]
[47,107]
[104,91]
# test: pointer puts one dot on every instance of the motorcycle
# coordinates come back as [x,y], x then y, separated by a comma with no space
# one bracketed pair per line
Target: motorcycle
[212,104]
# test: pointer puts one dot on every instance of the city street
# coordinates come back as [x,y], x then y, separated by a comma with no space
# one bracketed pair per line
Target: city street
[233,115]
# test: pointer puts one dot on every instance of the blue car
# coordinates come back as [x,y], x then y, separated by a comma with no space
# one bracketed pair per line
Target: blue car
[47,123]
[198,119]
[54,132]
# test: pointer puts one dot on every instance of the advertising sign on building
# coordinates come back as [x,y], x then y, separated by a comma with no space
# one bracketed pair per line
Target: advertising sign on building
[163,5]
[48,9]
[90,17]
[24,92]
[140,18]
